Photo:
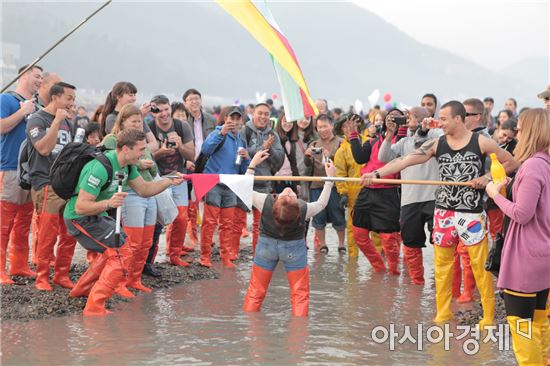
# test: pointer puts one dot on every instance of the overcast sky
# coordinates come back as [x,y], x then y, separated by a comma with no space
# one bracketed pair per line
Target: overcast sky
[493,33]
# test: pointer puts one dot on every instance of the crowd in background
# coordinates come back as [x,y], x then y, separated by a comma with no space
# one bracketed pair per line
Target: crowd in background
[183,136]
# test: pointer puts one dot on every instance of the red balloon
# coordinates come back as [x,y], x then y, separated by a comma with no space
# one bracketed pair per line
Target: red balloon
[274,96]
[387,97]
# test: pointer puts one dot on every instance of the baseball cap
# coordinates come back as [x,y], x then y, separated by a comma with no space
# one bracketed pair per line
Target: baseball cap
[236,110]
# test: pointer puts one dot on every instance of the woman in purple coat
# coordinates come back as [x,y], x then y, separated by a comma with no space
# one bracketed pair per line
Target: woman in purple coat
[525,267]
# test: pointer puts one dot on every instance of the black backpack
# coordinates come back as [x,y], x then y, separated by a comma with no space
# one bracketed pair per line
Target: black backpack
[66,168]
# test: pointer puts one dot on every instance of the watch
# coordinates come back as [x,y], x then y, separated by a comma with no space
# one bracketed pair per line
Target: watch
[377,174]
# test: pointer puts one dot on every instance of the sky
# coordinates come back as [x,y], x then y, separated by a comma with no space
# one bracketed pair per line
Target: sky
[492,33]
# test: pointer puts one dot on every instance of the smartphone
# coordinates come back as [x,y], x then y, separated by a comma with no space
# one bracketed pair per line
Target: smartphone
[172,176]
[400,120]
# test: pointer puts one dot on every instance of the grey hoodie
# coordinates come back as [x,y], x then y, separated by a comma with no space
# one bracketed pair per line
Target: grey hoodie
[255,139]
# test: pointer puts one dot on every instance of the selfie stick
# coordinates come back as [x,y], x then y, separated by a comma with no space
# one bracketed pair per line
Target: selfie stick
[120,176]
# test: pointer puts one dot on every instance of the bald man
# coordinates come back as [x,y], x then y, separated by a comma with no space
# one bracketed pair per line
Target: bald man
[49,80]
[417,202]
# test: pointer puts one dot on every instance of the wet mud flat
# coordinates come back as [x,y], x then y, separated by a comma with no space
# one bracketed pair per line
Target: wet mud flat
[23,302]
[473,316]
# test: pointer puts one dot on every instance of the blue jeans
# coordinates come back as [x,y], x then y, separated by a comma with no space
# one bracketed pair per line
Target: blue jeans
[270,251]
[180,194]
[139,211]
[334,212]
[221,196]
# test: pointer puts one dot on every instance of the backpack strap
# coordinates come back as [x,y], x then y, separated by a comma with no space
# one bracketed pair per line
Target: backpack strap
[16,95]
[153,128]
[178,127]
[108,167]
[220,144]
[248,133]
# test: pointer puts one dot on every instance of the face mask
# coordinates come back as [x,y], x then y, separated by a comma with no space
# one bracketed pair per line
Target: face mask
[379,129]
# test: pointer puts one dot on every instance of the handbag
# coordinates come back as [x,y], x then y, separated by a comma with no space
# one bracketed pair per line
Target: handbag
[493,258]
[167,211]
[492,264]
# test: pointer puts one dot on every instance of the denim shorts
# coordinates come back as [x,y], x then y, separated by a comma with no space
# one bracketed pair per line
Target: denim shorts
[292,253]
[139,211]
[221,196]
[334,212]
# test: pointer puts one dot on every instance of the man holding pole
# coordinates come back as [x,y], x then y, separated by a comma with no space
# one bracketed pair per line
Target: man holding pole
[459,215]
[87,220]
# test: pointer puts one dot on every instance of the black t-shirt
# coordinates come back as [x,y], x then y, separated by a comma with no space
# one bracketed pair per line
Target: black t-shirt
[460,166]
[39,166]
[174,162]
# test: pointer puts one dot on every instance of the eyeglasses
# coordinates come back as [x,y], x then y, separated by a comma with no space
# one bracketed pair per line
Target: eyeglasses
[472,114]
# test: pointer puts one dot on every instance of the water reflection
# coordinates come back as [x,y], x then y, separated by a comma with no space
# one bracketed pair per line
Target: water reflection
[203,324]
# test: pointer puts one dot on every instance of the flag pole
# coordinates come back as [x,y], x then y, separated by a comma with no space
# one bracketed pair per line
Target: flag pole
[54,46]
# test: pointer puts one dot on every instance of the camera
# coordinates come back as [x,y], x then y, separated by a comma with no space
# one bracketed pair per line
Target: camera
[154,109]
[400,120]
[317,150]
[170,144]
[120,175]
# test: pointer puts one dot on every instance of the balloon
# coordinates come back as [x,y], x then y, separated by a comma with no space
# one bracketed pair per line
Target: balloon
[236,102]
[274,96]
[388,106]
[358,106]
[373,97]
[387,97]
[394,104]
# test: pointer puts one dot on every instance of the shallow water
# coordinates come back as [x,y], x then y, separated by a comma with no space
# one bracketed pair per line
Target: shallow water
[203,324]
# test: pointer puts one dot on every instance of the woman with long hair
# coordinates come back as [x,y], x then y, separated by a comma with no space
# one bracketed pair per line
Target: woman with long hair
[139,214]
[288,133]
[306,134]
[121,94]
[525,265]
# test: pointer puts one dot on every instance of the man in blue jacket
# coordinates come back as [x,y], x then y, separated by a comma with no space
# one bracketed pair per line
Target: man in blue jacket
[227,155]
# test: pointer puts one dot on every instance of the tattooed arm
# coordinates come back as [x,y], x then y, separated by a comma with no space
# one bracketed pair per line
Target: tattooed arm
[418,156]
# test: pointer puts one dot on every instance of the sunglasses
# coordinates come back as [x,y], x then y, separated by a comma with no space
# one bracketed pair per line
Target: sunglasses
[472,114]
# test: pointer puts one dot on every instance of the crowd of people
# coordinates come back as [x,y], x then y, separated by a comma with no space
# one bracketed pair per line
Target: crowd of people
[147,149]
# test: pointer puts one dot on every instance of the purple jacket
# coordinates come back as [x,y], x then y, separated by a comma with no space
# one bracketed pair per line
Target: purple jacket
[525,265]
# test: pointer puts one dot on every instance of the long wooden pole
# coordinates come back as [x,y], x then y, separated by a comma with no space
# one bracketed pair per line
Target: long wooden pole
[358,180]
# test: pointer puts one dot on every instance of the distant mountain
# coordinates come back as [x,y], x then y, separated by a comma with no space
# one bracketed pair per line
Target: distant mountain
[345,52]
[535,71]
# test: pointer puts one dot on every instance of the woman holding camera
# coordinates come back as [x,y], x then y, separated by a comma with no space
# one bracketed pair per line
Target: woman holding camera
[378,206]
[139,214]
[282,232]
[525,265]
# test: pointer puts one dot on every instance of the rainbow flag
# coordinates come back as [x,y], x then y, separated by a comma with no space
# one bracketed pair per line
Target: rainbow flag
[257,19]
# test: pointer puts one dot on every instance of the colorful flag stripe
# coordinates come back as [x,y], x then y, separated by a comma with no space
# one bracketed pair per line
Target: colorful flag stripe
[257,19]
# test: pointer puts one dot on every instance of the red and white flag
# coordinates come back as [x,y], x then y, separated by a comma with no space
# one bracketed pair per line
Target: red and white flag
[241,185]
